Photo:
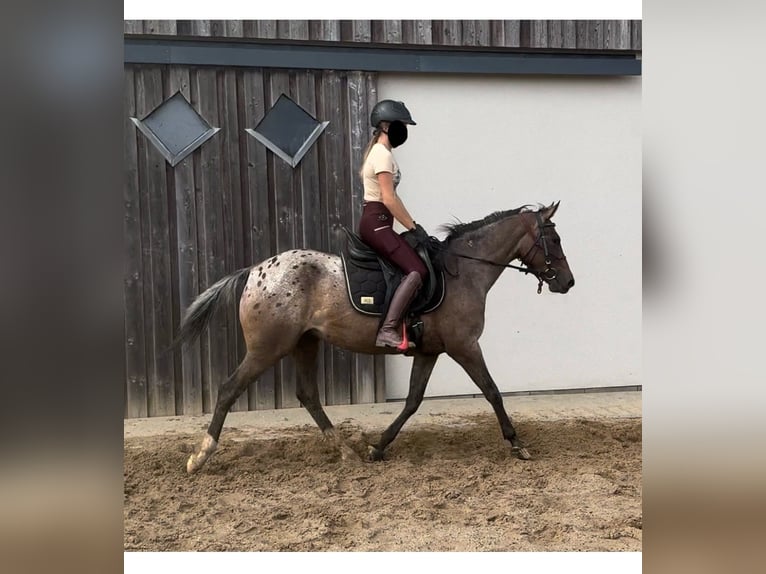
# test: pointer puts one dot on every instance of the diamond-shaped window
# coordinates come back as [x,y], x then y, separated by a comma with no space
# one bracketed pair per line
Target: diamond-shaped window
[175,128]
[288,130]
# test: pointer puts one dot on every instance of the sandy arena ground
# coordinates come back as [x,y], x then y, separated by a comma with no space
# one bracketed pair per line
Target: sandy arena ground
[448,483]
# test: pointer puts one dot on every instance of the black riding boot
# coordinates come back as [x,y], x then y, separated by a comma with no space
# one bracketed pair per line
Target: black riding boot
[390,334]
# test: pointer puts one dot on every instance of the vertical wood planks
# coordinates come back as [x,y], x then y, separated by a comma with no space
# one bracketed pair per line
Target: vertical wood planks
[155,254]
[475,32]
[617,35]
[262,393]
[594,39]
[562,34]
[233,28]
[392,31]
[284,222]
[250,28]
[217,28]
[358,113]
[469,32]
[335,211]
[497,33]
[307,171]
[150,26]
[447,32]
[512,33]
[581,34]
[266,29]
[184,27]
[555,34]
[482,30]
[525,33]
[539,34]
[160,27]
[361,31]
[133,27]
[190,386]
[135,352]
[231,195]
[635,34]
[378,360]
[293,29]
[326,30]
[387,31]
[416,32]
[207,178]
[309,189]
[358,119]
[570,34]
[201,28]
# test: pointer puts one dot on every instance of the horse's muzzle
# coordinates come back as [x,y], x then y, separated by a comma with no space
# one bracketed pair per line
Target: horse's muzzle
[560,287]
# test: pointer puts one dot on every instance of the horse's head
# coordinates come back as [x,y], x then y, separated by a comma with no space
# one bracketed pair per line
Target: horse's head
[544,255]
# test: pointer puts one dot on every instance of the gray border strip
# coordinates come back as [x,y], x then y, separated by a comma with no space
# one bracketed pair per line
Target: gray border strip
[575,391]
[295,160]
[344,57]
[173,160]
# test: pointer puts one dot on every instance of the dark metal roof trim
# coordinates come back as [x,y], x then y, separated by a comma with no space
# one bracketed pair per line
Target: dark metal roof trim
[269,55]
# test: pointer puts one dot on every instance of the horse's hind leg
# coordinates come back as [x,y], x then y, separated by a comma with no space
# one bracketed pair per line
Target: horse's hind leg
[247,371]
[305,354]
[472,360]
[422,367]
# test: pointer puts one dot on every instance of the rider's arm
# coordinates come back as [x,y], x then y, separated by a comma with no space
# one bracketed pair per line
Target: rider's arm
[392,201]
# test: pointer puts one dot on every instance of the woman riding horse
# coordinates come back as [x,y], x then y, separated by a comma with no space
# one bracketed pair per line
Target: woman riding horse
[380,177]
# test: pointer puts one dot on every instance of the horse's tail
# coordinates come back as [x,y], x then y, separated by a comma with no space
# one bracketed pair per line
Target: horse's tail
[202,309]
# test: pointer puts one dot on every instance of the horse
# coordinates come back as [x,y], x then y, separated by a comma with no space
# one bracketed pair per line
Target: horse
[292,300]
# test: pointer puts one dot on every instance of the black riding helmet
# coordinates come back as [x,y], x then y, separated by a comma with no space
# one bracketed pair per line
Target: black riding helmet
[390,111]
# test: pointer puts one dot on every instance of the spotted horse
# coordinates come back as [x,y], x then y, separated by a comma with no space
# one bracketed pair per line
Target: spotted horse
[291,301]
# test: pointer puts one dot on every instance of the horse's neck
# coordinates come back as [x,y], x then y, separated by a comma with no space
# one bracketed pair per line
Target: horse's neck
[498,243]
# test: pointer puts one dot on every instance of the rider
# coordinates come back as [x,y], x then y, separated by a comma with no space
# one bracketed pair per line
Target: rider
[380,176]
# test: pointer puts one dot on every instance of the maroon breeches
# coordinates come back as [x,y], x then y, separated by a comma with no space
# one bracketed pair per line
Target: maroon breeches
[376,230]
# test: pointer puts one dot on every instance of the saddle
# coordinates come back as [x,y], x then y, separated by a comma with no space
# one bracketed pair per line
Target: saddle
[372,280]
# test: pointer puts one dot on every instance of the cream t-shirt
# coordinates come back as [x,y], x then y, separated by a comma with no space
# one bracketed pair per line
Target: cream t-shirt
[379,159]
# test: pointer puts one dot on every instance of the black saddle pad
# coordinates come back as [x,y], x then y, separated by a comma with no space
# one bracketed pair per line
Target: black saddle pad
[371,282]
[366,286]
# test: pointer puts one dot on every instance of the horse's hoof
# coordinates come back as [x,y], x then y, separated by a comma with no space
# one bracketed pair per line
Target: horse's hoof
[195,462]
[191,464]
[521,453]
[374,454]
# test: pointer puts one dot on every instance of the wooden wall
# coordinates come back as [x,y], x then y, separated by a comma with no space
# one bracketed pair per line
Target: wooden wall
[229,205]
[601,35]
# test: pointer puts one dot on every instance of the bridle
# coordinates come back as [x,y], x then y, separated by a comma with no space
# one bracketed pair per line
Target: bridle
[547,274]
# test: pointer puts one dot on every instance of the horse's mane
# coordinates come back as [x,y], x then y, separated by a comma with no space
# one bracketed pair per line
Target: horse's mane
[458,228]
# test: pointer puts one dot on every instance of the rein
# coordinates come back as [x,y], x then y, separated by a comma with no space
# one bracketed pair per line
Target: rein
[544,275]
[487,261]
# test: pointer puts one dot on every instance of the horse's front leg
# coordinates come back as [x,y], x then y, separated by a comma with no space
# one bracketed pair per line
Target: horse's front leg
[422,367]
[472,360]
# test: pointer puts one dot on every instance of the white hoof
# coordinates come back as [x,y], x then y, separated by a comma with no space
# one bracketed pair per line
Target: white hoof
[196,461]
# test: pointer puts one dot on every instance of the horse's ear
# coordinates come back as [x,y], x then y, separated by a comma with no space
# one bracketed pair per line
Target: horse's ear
[550,210]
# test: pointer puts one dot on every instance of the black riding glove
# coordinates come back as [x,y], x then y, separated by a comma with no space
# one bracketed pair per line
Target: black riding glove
[416,236]
[420,234]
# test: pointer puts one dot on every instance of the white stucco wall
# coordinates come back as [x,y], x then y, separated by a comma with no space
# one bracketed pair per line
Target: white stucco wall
[484,144]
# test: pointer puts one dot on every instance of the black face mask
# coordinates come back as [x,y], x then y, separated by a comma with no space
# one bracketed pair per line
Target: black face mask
[397,133]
